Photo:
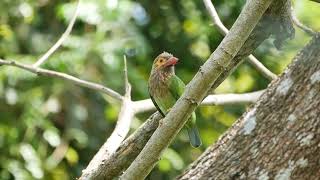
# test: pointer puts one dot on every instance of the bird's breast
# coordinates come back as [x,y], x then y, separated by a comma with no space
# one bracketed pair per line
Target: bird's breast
[162,96]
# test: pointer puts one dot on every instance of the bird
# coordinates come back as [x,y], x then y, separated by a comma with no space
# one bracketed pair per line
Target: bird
[165,88]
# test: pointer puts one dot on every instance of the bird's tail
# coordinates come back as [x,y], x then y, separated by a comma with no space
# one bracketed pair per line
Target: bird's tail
[194,136]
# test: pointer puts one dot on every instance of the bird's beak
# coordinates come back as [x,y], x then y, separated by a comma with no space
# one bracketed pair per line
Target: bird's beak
[171,61]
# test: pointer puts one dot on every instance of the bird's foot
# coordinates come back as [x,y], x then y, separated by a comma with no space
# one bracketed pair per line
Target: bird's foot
[160,122]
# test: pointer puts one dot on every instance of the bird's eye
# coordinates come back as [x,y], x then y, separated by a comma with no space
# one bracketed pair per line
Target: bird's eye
[161,60]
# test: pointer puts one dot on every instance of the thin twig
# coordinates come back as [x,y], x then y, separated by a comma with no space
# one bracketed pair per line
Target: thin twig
[64,76]
[232,99]
[261,68]
[299,24]
[119,133]
[126,79]
[60,41]
[223,30]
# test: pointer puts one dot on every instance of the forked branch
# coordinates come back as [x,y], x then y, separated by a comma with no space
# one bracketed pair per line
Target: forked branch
[224,31]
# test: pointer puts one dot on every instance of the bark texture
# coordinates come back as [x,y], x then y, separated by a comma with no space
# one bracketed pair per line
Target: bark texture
[279,137]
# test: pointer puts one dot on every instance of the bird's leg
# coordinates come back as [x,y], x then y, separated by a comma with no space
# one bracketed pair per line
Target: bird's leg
[160,122]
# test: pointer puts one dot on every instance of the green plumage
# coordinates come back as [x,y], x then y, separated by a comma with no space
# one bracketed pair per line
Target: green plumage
[165,88]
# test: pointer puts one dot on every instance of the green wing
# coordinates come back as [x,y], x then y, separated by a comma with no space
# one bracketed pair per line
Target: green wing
[176,86]
[155,104]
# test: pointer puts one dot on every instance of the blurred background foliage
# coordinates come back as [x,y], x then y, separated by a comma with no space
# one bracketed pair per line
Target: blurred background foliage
[50,129]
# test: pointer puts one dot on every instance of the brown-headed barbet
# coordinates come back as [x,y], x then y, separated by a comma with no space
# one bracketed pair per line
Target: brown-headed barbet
[165,88]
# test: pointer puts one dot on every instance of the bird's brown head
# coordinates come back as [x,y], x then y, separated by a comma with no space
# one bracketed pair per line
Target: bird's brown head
[164,62]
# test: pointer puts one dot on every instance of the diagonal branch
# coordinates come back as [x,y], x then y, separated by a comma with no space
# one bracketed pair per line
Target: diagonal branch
[61,39]
[197,89]
[111,166]
[223,30]
[117,136]
[299,24]
[58,154]
[64,76]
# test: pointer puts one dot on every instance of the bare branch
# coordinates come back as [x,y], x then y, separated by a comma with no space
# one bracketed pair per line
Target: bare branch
[126,79]
[58,154]
[113,142]
[215,17]
[129,149]
[299,24]
[197,89]
[67,77]
[231,99]
[261,68]
[119,133]
[223,30]
[146,105]
[60,41]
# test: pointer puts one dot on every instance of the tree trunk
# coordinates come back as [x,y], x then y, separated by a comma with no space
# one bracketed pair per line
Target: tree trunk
[279,137]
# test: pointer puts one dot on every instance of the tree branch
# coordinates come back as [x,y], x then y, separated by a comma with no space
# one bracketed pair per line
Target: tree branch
[129,149]
[119,133]
[61,39]
[67,77]
[58,154]
[146,105]
[232,99]
[299,24]
[197,89]
[223,30]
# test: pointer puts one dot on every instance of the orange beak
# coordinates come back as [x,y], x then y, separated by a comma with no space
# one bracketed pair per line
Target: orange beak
[171,61]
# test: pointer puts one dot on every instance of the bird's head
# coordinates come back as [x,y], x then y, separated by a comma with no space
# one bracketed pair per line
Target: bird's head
[164,63]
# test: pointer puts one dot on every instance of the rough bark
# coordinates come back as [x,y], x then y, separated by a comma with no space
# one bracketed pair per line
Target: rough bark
[279,137]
